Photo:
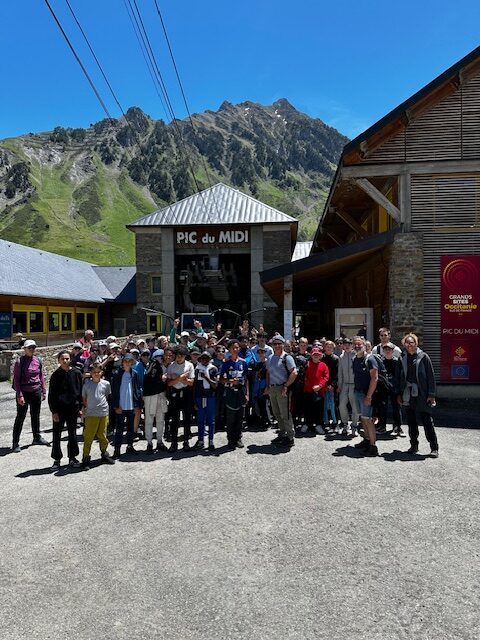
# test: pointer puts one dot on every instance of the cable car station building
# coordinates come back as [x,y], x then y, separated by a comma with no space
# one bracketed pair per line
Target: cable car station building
[398,243]
[206,252]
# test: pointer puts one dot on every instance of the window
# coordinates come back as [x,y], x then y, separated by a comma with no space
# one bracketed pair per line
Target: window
[66,321]
[53,321]
[156,284]
[19,322]
[154,323]
[80,322]
[91,321]
[86,319]
[36,322]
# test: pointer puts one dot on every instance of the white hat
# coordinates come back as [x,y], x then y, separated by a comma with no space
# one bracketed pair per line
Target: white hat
[29,343]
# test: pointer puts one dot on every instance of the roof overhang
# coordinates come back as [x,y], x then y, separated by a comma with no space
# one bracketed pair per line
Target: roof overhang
[327,264]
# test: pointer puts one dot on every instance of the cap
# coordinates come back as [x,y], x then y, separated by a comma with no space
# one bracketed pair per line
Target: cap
[114,345]
[141,341]
[206,354]
[184,334]
[134,351]
[158,353]
[128,356]
[29,343]
[347,341]
[315,350]
[278,338]
[76,345]
[111,339]
[195,351]
[131,342]
[146,351]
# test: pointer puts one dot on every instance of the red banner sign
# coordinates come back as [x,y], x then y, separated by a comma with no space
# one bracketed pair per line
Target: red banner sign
[460,319]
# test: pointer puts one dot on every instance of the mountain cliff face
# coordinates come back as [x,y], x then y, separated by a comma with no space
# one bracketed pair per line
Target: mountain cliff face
[72,191]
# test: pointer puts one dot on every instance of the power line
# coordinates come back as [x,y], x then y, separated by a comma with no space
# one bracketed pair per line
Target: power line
[167,39]
[160,80]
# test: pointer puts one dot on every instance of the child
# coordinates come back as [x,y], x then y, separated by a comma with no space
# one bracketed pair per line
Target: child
[127,400]
[206,376]
[95,400]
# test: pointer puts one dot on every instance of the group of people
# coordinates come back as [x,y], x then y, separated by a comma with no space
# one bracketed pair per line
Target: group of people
[226,383]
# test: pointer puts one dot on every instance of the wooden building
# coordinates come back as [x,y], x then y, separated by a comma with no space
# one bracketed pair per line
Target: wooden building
[406,194]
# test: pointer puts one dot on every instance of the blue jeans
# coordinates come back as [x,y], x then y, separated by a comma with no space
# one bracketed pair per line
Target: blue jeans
[329,405]
[121,418]
[206,415]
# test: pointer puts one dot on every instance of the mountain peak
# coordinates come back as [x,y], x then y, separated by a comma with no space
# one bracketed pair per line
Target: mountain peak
[284,105]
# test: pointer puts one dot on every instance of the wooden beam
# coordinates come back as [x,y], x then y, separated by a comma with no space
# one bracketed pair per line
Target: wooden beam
[404,200]
[417,168]
[352,223]
[333,237]
[379,198]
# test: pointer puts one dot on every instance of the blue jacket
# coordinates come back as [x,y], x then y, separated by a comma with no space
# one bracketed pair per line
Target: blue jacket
[116,384]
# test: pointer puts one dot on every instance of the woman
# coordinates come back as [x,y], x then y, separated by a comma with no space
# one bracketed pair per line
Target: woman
[417,393]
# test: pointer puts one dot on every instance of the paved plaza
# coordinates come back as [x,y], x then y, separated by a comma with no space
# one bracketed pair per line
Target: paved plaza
[255,543]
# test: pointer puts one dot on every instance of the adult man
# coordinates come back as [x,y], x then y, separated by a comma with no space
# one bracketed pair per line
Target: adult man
[65,402]
[180,378]
[346,388]
[281,374]
[29,385]
[365,373]
[384,335]
[233,376]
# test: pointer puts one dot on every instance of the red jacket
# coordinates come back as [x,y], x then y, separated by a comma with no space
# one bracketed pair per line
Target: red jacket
[316,373]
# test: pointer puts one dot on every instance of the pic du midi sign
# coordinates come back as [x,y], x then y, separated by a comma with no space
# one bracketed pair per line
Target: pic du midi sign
[203,237]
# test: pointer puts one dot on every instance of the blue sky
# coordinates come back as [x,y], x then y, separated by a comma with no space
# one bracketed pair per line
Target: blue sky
[346,62]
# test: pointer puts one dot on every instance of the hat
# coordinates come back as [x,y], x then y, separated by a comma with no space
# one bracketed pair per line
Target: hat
[206,354]
[76,345]
[131,342]
[278,338]
[128,356]
[111,339]
[315,350]
[192,331]
[195,351]
[114,345]
[141,341]
[347,341]
[134,351]
[158,353]
[146,351]
[184,334]
[202,334]
[389,345]
[29,343]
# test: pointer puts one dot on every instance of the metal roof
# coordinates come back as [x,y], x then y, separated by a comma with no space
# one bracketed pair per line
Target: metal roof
[219,204]
[302,250]
[120,281]
[25,271]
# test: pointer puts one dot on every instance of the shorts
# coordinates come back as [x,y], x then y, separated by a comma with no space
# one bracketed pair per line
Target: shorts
[363,411]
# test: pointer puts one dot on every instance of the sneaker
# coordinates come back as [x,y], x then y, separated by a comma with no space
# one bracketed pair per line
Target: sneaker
[346,431]
[16,449]
[86,464]
[304,428]
[338,429]
[364,444]
[56,465]
[371,451]
[240,444]
[131,450]
[41,440]
[136,437]
[285,442]
[278,439]
[106,458]
[381,430]
[353,432]
[320,430]
[211,446]
[186,446]
[434,453]
[401,433]
[173,447]
[161,446]
[231,446]
[413,449]
[149,448]
[199,445]
[73,463]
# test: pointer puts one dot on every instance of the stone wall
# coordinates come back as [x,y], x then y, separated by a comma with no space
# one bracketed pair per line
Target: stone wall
[406,285]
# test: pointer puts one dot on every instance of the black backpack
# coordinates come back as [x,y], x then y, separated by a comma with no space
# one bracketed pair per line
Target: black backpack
[384,386]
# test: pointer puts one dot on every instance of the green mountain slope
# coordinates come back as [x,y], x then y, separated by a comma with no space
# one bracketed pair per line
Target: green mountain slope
[72,191]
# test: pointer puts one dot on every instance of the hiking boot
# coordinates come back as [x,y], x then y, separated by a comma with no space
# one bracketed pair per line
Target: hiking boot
[42,441]
[372,451]
[73,463]
[400,432]
[240,444]
[199,445]
[211,446]
[86,464]
[278,439]
[116,453]
[106,458]
[320,430]
[364,444]
[16,449]
[413,449]
[131,450]
[56,465]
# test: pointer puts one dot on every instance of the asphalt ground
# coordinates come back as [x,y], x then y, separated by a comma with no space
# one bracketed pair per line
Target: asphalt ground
[256,543]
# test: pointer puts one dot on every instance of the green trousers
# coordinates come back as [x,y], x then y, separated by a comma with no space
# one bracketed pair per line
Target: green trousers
[95,427]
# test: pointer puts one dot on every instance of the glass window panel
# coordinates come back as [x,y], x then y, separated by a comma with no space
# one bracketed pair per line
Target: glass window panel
[152,324]
[54,321]
[80,322]
[19,322]
[91,321]
[36,322]
[66,321]
[156,282]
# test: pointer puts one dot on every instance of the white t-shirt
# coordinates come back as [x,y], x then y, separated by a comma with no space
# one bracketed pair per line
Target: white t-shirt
[174,370]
